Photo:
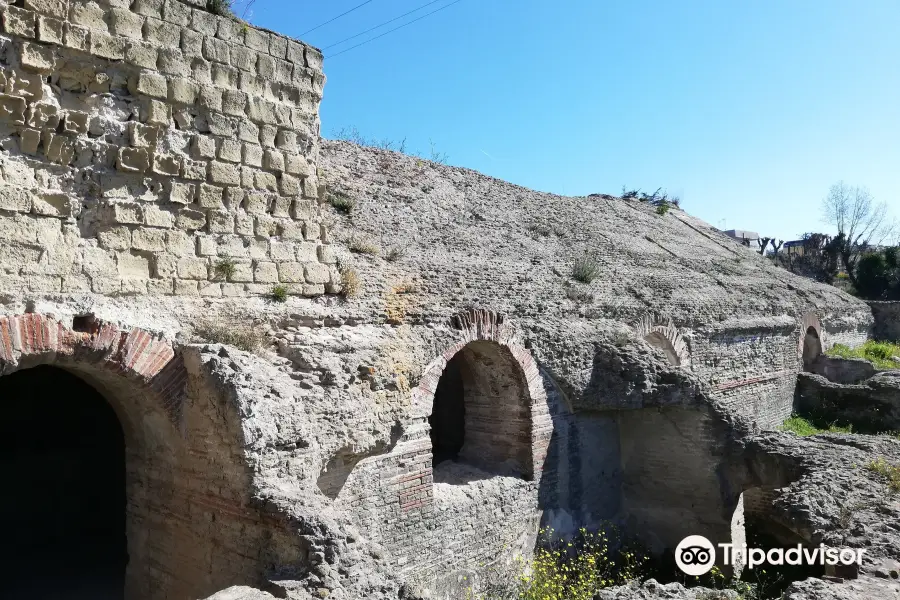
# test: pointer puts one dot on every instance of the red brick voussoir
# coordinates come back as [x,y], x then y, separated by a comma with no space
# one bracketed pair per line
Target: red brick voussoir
[144,358]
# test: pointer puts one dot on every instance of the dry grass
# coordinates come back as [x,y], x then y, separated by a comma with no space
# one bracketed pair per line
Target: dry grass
[888,471]
[394,254]
[578,295]
[351,285]
[362,245]
[242,336]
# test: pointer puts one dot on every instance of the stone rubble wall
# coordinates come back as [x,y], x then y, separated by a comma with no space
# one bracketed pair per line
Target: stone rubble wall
[871,406]
[151,147]
[887,320]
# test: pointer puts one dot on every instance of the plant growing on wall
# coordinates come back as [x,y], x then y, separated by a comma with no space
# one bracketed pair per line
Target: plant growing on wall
[586,269]
[225,268]
[279,294]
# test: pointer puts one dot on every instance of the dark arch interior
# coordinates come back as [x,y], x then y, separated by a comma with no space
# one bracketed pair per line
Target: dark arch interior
[812,347]
[448,417]
[62,456]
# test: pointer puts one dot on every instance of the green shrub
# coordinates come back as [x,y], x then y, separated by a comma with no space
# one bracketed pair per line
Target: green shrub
[225,268]
[576,569]
[879,353]
[586,269]
[279,294]
[341,202]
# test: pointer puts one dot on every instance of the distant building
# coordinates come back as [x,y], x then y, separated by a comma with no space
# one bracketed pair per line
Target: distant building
[794,247]
[747,238]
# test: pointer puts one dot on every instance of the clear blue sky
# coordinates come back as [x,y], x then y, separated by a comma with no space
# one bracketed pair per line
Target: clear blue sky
[747,110]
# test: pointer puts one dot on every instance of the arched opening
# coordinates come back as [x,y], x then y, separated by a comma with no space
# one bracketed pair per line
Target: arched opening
[757,525]
[659,340]
[481,414]
[812,347]
[63,458]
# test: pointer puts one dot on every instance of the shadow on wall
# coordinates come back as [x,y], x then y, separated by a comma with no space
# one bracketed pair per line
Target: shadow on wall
[340,466]
[642,447]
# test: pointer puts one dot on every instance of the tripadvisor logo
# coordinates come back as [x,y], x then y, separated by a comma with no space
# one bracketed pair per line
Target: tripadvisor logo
[695,555]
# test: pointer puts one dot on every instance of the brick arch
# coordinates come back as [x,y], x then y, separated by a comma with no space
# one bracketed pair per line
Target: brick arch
[99,350]
[144,380]
[487,326]
[663,334]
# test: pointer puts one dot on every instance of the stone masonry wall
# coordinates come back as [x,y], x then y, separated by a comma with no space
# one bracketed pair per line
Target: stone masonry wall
[151,147]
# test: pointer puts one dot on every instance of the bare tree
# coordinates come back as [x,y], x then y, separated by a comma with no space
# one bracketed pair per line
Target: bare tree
[859,220]
[763,243]
[776,247]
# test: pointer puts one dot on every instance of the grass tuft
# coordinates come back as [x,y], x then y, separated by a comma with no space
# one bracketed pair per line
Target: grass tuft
[341,202]
[242,336]
[351,285]
[579,296]
[881,354]
[225,269]
[363,245]
[800,426]
[279,293]
[394,254]
[586,269]
[888,471]
[539,230]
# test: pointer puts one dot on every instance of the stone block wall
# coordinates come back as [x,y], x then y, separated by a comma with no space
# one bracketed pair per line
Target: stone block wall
[151,147]
[887,320]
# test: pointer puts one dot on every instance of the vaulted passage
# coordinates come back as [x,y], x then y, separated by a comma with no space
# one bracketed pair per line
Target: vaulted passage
[481,414]
[62,456]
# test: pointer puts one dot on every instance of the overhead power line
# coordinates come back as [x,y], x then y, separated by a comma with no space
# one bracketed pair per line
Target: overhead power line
[394,29]
[335,19]
[380,25]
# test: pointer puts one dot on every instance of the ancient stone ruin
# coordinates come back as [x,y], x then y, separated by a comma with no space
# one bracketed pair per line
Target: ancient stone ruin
[435,387]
